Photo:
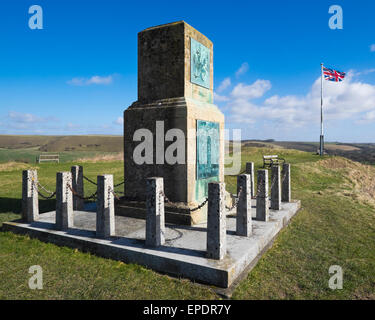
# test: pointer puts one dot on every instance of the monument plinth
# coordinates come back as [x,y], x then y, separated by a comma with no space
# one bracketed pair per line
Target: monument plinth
[175,91]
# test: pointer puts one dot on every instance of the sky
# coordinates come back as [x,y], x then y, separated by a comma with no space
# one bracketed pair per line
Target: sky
[79,73]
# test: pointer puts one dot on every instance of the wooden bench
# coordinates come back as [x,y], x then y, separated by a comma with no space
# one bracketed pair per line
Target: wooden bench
[48,157]
[269,161]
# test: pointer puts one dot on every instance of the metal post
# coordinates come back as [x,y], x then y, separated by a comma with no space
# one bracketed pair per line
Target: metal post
[321,149]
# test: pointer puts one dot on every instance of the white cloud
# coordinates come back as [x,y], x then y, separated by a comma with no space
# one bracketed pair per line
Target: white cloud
[372,48]
[93,80]
[23,117]
[350,99]
[243,69]
[220,98]
[27,118]
[16,122]
[224,84]
[364,72]
[71,126]
[119,121]
[251,91]
[367,117]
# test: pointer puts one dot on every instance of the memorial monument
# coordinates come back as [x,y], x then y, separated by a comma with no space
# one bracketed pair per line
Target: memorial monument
[175,91]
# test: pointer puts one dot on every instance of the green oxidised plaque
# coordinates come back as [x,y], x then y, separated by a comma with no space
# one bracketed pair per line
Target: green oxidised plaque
[208,149]
[200,64]
[208,156]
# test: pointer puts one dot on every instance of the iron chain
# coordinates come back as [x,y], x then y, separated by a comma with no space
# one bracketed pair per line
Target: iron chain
[190,209]
[236,201]
[93,196]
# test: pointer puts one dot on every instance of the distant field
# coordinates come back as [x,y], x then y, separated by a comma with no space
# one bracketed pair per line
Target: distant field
[69,148]
[361,152]
[63,143]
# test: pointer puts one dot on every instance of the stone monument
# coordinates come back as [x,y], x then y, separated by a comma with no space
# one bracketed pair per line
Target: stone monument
[175,91]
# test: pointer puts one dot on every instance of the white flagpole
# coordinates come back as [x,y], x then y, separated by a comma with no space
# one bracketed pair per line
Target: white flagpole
[321,149]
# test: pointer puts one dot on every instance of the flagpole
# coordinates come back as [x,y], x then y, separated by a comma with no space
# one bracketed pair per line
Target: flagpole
[321,147]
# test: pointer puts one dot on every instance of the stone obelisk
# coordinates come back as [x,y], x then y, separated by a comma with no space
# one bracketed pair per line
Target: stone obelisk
[175,91]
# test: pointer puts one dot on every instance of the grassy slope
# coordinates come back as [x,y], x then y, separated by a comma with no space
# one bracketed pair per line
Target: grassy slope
[331,228]
[70,148]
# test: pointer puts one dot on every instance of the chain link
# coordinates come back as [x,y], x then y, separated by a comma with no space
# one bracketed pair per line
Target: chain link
[93,196]
[235,202]
[89,180]
[35,185]
[189,209]
[40,186]
[119,184]
[110,190]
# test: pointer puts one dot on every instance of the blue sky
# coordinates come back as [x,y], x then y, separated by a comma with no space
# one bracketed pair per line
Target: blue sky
[78,74]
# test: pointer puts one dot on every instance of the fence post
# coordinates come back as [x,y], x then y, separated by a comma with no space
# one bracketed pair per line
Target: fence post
[262,211]
[216,221]
[64,201]
[30,205]
[155,227]
[250,171]
[105,211]
[286,194]
[275,188]
[243,218]
[77,183]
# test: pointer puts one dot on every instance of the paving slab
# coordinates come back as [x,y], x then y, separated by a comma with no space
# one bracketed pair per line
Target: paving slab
[184,251]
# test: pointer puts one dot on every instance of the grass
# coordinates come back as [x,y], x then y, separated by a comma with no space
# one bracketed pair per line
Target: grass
[70,148]
[334,227]
[29,155]
[63,143]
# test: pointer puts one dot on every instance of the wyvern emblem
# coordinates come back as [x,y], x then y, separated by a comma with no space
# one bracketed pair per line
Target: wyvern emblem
[200,64]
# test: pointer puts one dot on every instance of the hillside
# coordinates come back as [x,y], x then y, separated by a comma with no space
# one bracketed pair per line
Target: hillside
[335,226]
[361,152]
[63,143]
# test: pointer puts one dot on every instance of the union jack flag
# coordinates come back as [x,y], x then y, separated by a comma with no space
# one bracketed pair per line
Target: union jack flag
[333,75]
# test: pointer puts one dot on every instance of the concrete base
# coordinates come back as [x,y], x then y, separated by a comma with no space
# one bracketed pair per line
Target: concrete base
[183,254]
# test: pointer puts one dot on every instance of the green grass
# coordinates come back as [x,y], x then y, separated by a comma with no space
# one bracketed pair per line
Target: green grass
[29,155]
[70,148]
[108,143]
[330,229]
